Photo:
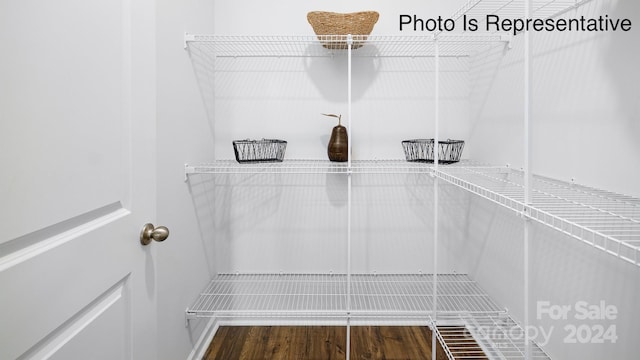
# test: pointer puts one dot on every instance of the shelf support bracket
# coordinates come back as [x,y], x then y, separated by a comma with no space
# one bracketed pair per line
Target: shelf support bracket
[507,41]
[526,212]
[188,170]
[188,315]
[187,38]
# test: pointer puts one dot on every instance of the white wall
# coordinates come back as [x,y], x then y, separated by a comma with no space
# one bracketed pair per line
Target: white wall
[585,116]
[185,260]
[271,223]
[283,17]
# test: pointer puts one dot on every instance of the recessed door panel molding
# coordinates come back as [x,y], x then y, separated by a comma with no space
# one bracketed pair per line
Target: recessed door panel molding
[31,245]
[107,315]
[62,112]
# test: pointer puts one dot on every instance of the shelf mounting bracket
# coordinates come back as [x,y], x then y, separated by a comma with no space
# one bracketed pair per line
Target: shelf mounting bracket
[188,170]
[526,212]
[507,41]
[188,38]
[188,315]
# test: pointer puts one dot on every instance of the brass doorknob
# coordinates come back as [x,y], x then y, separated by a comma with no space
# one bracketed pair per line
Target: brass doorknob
[148,233]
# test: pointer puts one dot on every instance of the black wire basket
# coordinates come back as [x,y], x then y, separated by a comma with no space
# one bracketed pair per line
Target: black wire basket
[421,150]
[255,151]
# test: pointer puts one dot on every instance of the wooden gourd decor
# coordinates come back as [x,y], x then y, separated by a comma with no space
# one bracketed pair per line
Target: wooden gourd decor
[338,148]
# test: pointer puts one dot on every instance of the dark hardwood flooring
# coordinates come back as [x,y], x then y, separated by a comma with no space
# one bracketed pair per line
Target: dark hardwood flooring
[321,343]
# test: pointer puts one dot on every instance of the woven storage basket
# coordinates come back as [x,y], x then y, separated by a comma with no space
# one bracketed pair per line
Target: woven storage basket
[255,151]
[421,150]
[325,24]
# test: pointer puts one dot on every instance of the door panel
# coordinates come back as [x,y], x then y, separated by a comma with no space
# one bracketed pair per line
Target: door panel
[61,99]
[53,287]
[104,319]
[77,91]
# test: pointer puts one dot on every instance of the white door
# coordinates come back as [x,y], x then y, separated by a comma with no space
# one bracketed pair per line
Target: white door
[77,179]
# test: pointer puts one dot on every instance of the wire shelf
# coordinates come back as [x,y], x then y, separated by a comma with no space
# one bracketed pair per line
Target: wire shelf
[322,167]
[604,220]
[285,167]
[381,295]
[449,45]
[483,336]
[465,313]
[414,293]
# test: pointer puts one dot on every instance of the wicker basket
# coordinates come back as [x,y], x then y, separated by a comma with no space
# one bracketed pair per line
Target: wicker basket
[254,151]
[326,24]
[421,150]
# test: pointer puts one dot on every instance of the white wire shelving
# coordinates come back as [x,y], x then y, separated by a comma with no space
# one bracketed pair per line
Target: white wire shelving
[483,336]
[469,323]
[325,295]
[397,46]
[607,221]
[300,166]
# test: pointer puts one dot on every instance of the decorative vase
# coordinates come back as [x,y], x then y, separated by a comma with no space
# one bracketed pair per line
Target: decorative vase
[338,149]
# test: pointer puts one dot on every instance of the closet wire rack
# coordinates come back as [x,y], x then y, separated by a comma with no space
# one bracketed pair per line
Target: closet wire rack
[604,220]
[607,221]
[318,295]
[465,313]
[306,46]
[483,336]
[294,166]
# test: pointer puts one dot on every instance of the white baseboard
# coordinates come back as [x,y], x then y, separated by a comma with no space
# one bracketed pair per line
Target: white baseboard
[202,345]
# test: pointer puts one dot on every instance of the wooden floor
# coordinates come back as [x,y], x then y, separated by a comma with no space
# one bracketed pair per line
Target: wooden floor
[322,343]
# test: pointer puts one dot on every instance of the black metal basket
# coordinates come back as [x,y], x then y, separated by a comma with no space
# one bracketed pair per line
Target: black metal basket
[255,151]
[421,150]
